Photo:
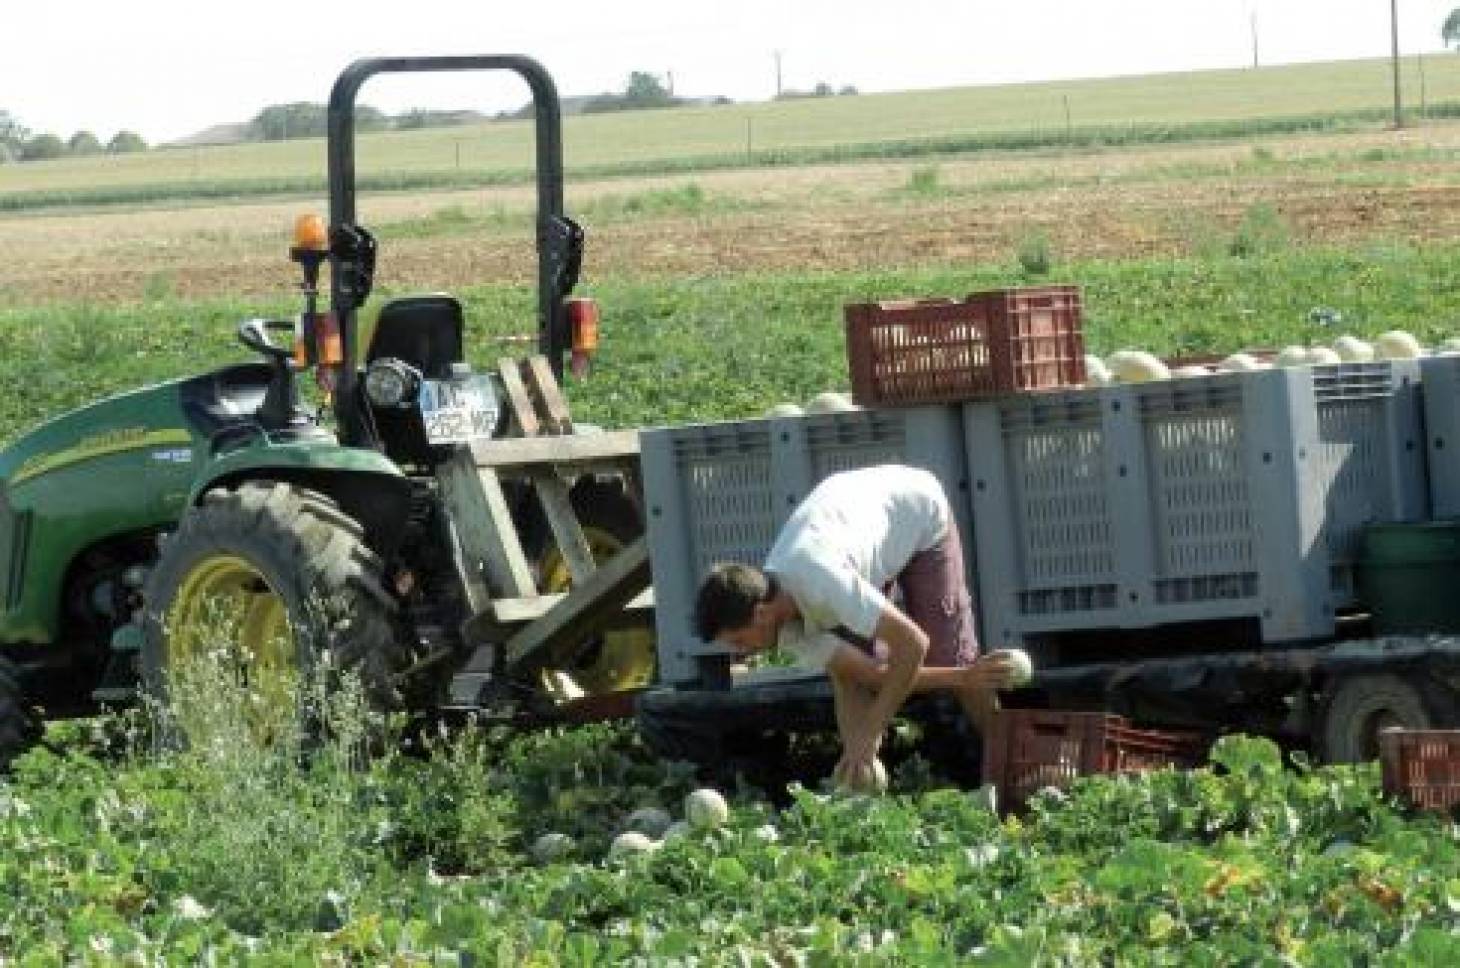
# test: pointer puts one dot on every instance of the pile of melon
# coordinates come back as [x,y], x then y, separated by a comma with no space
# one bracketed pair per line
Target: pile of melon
[1138,366]
[646,829]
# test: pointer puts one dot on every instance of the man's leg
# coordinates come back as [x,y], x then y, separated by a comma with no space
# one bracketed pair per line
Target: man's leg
[935,595]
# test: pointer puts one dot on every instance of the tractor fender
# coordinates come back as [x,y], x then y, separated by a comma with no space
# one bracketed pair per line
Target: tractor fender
[366,484]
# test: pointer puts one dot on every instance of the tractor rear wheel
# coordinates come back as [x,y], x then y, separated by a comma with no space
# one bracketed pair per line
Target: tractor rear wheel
[617,659]
[280,577]
[1359,707]
[19,727]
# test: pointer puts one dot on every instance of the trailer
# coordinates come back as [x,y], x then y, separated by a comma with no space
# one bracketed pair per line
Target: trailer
[1205,552]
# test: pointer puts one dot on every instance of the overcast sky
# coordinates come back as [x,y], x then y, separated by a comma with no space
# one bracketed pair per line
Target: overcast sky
[168,68]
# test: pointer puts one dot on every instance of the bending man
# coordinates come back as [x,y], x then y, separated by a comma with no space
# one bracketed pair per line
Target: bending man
[820,597]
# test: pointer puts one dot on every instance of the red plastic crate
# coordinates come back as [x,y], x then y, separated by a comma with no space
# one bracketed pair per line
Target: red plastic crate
[1030,749]
[913,352]
[1421,766]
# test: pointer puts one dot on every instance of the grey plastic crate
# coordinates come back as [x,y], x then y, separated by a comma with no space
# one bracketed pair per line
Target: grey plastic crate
[1442,426]
[1228,496]
[721,491]
[1370,461]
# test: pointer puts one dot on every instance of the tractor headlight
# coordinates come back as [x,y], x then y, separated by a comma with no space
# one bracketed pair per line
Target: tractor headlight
[391,383]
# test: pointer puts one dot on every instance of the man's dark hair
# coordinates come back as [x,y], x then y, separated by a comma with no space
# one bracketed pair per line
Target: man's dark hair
[728,597]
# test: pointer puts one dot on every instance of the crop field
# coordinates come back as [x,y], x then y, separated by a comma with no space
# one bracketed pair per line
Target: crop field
[722,290]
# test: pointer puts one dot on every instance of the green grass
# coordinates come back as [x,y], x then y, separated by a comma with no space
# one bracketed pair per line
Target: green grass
[729,347]
[1114,111]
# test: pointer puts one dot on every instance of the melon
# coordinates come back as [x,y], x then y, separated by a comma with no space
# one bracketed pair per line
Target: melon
[1351,349]
[705,809]
[631,842]
[1136,366]
[1397,345]
[1239,363]
[1291,356]
[785,410]
[830,402]
[1023,665]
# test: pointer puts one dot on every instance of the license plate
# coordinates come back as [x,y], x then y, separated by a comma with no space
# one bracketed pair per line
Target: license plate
[456,411]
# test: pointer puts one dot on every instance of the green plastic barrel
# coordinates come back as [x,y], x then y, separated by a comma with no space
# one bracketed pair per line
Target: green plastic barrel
[1409,574]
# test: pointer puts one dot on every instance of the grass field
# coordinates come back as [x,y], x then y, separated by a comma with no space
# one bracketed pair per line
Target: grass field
[722,294]
[725,135]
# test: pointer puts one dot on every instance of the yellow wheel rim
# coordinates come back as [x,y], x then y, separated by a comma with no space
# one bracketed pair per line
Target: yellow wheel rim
[225,605]
[618,658]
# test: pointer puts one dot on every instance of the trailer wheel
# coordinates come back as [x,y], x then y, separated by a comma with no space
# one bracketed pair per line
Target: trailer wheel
[19,726]
[1360,707]
[281,577]
[619,659]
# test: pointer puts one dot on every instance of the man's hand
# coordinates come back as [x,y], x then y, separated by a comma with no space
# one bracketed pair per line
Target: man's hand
[991,672]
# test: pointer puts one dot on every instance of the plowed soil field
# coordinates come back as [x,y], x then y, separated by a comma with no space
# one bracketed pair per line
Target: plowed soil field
[1112,204]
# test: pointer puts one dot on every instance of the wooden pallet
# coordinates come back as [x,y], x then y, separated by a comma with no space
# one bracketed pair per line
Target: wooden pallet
[521,624]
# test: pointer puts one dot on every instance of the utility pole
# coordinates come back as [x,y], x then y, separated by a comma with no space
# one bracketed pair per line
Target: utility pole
[778,75]
[1255,62]
[669,75]
[1394,37]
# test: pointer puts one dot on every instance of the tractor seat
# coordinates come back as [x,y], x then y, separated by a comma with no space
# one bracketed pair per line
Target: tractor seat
[424,331]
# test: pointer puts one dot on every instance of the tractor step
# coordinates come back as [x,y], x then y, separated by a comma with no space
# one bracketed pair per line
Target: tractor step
[119,695]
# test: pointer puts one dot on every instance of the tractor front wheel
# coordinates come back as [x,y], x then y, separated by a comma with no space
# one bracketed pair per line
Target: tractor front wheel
[276,577]
[616,659]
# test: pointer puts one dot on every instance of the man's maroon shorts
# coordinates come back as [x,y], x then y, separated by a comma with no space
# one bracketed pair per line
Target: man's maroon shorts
[935,596]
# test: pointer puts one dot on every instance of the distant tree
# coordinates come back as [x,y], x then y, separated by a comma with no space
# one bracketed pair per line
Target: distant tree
[643,90]
[822,89]
[83,143]
[125,142]
[12,133]
[847,91]
[1450,32]
[280,122]
[43,147]
[646,90]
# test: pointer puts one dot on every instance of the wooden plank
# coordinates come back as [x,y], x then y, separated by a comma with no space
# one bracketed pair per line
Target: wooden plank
[557,507]
[585,608]
[523,410]
[607,447]
[515,611]
[484,529]
[544,387]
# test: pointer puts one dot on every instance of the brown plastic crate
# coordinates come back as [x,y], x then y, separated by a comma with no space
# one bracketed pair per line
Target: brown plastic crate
[1421,766]
[912,352]
[1030,749]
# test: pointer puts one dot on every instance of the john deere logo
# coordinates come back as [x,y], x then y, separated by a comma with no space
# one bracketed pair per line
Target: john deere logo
[105,444]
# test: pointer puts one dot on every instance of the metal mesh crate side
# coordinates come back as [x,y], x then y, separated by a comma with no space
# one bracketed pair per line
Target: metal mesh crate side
[1441,392]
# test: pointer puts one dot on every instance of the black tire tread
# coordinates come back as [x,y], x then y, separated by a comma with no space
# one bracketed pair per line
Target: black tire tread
[331,567]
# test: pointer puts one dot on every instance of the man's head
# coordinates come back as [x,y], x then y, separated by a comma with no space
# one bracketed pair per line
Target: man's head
[734,607]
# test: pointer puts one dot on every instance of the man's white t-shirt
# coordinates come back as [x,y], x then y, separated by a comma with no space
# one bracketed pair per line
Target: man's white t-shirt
[853,534]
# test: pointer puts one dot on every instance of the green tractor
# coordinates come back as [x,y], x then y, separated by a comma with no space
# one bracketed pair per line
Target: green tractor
[132,529]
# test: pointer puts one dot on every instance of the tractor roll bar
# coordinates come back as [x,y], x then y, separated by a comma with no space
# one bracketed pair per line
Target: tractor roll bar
[556,237]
